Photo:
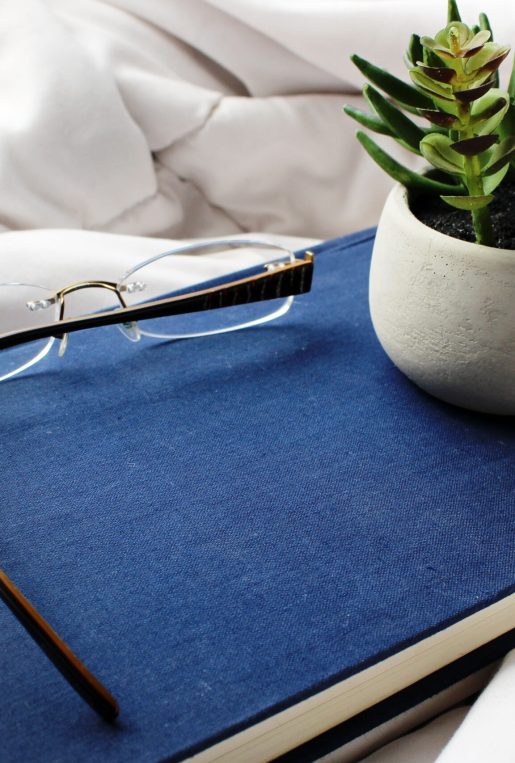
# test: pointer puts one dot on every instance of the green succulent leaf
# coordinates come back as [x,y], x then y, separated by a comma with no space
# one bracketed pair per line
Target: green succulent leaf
[477,42]
[454,29]
[439,118]
[487,113]
[430,58]
[453,13]
[467,96]
[511,85]
[369,121]
[391,85]
[488,59]
[439,89]
[428,42]
[484,23]
[493,65]
[490,182]
[438,73]
[456,41]
[407,177]
[415,50]
[399,123]
[479,79]
[437,150]
[467,202]
[501,155]
[442,53]
[449,107]
[507,126]
[475,145]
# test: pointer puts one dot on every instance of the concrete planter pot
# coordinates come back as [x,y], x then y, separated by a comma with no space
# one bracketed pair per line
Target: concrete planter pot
[444,310]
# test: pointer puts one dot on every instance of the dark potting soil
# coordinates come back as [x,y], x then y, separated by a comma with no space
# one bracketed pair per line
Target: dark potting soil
[435,213]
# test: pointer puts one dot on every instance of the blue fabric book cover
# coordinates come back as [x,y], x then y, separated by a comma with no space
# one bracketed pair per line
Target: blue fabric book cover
[226,529]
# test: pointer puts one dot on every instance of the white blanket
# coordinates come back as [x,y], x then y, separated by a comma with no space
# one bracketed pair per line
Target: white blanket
[187,118]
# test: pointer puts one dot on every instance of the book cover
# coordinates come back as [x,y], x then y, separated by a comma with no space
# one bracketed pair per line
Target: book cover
[251,538]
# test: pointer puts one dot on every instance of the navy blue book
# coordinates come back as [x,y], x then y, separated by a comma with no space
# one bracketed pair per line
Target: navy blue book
[254,540]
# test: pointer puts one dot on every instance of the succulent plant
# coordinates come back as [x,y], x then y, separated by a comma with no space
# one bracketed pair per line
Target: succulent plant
[455,87]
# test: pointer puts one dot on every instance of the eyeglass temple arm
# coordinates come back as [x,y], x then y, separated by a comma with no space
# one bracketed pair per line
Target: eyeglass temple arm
[284,281]
[58,652]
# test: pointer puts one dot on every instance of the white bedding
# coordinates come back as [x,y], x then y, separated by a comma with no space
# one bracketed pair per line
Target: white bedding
[185,118]
[126,120]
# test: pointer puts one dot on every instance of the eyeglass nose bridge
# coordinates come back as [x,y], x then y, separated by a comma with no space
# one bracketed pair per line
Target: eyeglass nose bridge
[131,329]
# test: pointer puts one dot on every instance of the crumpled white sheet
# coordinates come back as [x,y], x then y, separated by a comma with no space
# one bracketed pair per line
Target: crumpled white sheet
[185,118]
[190,118]
[488,731]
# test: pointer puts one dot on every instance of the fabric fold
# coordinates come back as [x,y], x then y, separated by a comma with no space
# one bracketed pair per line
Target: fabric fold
[201,118]
[487,732]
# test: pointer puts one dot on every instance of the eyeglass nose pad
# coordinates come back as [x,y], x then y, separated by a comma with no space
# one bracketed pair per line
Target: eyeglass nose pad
[63,345]
[131,330]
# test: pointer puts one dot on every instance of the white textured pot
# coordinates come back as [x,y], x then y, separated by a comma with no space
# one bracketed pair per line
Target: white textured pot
[444,310]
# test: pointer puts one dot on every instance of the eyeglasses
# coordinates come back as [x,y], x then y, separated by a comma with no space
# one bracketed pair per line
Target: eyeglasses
[194,290]
[58,652]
